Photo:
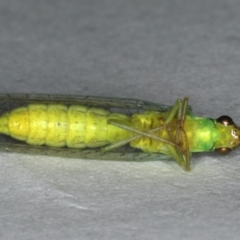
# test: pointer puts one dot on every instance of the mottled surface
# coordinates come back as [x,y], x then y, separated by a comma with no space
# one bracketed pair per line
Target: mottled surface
[153,50]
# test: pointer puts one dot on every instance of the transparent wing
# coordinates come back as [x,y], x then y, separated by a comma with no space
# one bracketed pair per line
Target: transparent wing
[9,101]
[122,154]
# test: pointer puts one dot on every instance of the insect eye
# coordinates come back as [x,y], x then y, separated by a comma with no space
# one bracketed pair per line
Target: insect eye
[223,150]
[225,120]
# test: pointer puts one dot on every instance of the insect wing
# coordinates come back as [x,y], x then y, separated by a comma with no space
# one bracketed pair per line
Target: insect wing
[126,154]
[9,101]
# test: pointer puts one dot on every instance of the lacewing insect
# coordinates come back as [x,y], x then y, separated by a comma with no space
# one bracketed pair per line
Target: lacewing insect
[110,128]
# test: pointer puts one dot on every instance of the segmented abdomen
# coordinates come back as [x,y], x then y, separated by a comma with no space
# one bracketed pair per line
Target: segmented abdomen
[59,125]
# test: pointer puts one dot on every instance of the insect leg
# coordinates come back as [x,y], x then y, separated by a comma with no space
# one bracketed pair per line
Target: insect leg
[139,133]
[180,159]
[118,144]
[181,151]
[178,147]
[178,109]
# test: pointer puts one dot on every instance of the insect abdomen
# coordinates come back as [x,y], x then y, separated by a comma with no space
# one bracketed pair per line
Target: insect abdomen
[59,125]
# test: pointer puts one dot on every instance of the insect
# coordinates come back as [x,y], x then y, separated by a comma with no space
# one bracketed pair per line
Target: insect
[110,128]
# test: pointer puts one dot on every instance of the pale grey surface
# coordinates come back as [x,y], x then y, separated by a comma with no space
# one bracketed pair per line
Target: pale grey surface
[155,50]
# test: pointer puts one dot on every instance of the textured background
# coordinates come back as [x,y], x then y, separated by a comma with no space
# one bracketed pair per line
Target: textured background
[153,50]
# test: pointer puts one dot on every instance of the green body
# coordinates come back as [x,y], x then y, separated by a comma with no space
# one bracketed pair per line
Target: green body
[75,126]
[171,131]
